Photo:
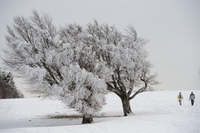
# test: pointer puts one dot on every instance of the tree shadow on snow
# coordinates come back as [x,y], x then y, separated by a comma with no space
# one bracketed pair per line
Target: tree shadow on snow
[70,117]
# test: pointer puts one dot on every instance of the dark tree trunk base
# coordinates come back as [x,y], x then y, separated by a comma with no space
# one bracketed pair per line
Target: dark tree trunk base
[87,119]
[126,105]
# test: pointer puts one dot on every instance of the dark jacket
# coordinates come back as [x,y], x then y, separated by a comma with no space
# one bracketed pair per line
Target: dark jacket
[192,97]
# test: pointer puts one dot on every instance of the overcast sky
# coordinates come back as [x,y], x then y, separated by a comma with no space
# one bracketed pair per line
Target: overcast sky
[171,26]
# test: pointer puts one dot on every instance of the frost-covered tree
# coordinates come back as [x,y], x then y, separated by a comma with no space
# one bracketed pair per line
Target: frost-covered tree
[52,66]
[121,56]
[7,86]
[78,64]
[125,57]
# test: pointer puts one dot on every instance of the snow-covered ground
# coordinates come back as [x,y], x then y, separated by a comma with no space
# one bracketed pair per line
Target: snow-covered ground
[154,112]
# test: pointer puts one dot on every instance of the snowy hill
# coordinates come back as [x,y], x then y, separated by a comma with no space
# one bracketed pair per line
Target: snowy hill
[154,112]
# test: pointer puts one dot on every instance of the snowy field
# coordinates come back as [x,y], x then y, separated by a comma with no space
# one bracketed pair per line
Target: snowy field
[154,112]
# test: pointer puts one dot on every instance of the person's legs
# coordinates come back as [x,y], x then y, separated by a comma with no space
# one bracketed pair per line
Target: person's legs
[192,102]
[180,102]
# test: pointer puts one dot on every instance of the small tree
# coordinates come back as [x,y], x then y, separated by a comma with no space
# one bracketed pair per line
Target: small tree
[7,86]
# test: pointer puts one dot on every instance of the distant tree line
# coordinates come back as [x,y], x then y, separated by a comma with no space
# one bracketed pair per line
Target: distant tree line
[7,86]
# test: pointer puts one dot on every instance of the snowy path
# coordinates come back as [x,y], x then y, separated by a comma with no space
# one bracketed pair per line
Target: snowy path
[153,112]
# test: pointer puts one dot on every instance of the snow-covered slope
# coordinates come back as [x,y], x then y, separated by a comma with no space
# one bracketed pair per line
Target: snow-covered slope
[154,112]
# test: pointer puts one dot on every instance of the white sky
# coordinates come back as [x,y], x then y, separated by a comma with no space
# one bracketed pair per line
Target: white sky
[172,26]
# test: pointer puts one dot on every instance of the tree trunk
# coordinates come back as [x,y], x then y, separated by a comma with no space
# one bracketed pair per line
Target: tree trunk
[126,105]
[87,119]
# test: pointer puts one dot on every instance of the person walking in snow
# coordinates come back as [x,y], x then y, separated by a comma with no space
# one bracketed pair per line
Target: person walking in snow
[191,98]
[180,98]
